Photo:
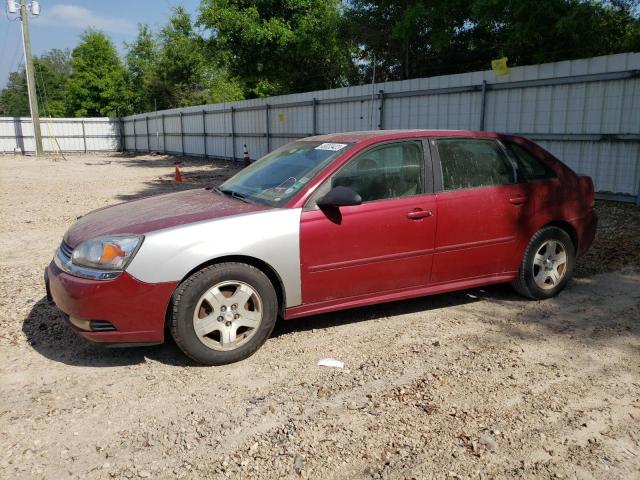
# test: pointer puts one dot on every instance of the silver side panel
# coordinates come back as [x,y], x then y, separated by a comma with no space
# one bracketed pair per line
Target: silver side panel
[272,236]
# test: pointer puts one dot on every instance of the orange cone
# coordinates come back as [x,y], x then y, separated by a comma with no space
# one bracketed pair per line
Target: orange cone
[177,177]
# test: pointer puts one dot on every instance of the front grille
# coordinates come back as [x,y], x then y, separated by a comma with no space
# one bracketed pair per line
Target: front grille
[101,326]
[66,250]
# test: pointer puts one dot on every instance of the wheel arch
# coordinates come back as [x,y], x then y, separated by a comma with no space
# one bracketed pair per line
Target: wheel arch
[261,265]
[568,228]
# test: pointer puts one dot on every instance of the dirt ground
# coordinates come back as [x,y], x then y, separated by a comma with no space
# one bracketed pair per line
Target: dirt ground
[475,384]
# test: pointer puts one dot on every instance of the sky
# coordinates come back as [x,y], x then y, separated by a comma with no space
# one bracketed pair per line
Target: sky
[61,22]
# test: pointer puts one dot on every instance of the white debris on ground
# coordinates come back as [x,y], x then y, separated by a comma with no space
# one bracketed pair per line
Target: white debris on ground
[330,362]
[448,386]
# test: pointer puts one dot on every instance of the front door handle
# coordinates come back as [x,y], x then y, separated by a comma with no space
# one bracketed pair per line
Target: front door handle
[419,214]
[518,199]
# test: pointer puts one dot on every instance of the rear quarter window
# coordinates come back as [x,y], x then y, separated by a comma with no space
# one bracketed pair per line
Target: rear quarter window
[530,165]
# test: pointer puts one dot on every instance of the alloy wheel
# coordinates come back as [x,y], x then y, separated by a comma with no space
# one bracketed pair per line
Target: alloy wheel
[227,315]
[550,264]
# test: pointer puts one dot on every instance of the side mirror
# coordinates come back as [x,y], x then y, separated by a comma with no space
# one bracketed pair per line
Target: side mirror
[339,197]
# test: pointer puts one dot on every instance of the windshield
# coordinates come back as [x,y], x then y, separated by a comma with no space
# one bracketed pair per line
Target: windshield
[278,176]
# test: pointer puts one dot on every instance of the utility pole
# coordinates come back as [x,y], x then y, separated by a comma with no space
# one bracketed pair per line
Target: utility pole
[28,66]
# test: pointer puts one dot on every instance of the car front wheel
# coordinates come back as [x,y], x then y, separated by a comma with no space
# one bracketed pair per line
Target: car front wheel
[547,264]
[223,313]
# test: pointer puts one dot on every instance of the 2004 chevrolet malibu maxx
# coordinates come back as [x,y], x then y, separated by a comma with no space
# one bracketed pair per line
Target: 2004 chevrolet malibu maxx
[326,223]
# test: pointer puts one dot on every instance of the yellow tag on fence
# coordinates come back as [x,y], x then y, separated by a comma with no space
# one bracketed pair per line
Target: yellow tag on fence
[500,67]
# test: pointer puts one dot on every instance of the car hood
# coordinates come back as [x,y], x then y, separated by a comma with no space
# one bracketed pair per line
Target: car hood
[156,213]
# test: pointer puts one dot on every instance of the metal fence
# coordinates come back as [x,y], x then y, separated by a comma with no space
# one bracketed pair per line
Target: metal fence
[587,112]
[61,134]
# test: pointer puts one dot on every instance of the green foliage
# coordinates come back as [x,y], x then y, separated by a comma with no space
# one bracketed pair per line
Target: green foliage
[96,86]
[51,71]
[415,38]
[551,30]
[140,61]
[279,46]
[181,69]
[255,48]
[172,69]
[14,101]
[223,88]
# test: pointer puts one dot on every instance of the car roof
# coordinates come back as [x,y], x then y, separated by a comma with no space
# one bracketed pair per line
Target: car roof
[373,136]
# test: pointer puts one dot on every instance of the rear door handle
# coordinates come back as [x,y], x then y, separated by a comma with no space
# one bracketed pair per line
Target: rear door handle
[419,214]
[518,199]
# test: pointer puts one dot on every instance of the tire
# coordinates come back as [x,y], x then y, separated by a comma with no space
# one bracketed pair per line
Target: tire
[542,274]
[223,313]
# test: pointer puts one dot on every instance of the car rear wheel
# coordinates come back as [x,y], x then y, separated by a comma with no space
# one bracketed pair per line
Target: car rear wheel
[547,264]
[223,313]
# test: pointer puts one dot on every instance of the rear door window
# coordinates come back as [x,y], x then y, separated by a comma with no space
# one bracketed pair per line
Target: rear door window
[471,163]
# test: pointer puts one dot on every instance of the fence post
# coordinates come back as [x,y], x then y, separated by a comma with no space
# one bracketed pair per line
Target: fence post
[44,137]
[233,133]
[155,121]
[181,135]
[15,136]
[164,138]
[146,126]
[483,104]
[314,120]
[266,113]
[381,110]
[123,138]
[84,137]
[204,131]
[135,136]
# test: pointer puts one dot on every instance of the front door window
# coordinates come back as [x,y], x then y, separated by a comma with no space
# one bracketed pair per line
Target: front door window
[391,171]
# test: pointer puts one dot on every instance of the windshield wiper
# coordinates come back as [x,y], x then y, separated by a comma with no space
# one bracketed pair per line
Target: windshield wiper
[232,193]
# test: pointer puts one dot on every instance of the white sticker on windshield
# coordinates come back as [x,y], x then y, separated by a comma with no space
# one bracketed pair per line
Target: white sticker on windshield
[334,147]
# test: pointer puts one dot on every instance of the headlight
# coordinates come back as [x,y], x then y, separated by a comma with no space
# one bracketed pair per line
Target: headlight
[106,253]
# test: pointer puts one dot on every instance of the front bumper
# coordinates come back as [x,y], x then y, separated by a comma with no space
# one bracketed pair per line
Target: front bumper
[134,308]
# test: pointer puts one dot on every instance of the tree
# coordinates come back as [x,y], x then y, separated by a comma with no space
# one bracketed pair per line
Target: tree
[278,46]
[407,39]
[416,38]
[251,48]
[51,72]
[531,32]
[181,74]
[223,87]
[140,61]
[14,101]
[97,85]
[181,68]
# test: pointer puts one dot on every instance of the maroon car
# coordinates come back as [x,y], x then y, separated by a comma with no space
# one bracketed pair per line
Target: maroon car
[322,224]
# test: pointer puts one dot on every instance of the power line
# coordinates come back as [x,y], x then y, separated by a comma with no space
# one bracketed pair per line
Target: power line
[16,53]
[43,97]
[6,35]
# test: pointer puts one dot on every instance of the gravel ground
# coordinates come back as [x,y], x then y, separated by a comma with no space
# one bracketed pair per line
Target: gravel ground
[472,384]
